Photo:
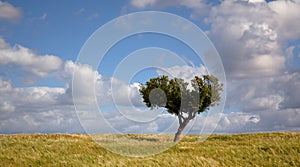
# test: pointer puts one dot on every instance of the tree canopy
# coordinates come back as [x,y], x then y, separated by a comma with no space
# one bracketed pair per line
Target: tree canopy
[182,98]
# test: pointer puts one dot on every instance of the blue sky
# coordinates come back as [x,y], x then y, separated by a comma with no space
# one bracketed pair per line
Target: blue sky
[258,42]
[74,22]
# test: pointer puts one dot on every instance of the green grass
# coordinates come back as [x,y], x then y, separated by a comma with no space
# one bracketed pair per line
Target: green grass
[262,149]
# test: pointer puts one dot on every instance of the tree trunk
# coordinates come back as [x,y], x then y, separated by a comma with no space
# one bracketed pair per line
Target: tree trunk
[180,129]
[177,135]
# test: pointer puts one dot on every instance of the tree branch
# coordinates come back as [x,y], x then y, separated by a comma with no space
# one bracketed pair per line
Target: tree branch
[193,115]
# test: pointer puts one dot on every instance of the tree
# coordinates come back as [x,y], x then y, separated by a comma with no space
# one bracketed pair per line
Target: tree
[181,98]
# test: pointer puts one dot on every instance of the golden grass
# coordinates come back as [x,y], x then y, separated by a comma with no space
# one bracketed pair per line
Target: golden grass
[135,145]
[262,149]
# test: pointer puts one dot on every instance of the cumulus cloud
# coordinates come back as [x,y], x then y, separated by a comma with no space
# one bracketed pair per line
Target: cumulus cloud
[9,12]
[45,120]
[273,99]
[247,39]
[88,84]
[36,109]
[28,60]
[286,13]
[251,38]
[6,107]
[124,123]
[51,109]
[20,104]
[234,122]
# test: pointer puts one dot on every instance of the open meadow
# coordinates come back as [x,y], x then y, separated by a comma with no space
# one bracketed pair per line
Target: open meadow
[261,149]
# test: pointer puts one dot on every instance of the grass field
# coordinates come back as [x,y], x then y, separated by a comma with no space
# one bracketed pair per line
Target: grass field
[262,149]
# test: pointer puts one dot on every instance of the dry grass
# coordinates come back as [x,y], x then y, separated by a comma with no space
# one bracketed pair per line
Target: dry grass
[263,149]
[135,145]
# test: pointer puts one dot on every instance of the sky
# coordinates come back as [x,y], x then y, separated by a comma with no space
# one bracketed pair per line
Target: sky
[42,43]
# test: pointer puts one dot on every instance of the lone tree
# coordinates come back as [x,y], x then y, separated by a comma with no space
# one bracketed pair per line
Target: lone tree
[181,98]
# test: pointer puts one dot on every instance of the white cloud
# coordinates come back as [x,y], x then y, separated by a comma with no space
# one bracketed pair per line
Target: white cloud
[21,104]
[3,44]
[43,121]
[9,12]
[31,110]
[252,39]
[28,60]
[185,72]
[88,84]
[287,12]
[280,120]
[142,3]
[36,109]
[125,94]
[123,123]
[199,7]
[247,39]
[236,121]
[256,1]
[37,95]
[5,86]
[273,99]
[84,81]
[233,122]
[6,107]
[263,103]
[289,86]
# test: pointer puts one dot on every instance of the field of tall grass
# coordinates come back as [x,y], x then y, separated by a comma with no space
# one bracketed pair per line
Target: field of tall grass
[261,149]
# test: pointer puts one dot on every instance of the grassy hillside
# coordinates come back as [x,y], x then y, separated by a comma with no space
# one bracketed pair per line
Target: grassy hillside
[263,149]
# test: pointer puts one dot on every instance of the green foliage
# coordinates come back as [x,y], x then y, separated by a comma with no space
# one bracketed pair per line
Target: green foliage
[203,93]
